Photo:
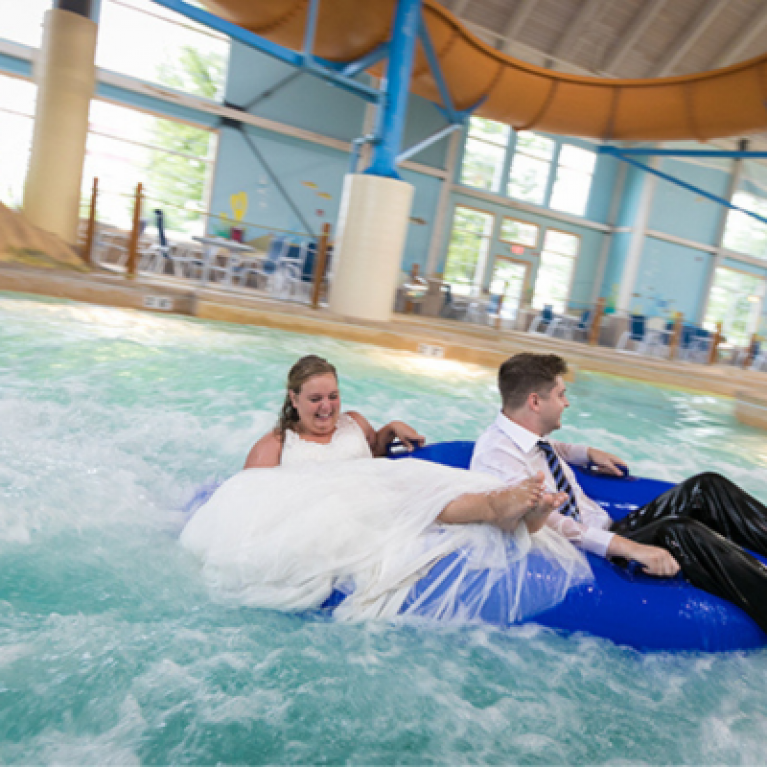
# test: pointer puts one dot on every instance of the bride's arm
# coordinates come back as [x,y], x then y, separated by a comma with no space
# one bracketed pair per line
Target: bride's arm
[265,454]
[380,440]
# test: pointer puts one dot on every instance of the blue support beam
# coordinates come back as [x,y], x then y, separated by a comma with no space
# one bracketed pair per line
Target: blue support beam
[392,112]
[649,152]
[378,53]
[436,70]
[327,70]
[621,155]
[421,145]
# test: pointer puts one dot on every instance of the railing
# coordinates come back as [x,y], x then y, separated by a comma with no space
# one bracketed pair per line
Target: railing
[279,263]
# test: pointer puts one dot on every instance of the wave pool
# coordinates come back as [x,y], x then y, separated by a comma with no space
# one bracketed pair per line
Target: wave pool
[113,653]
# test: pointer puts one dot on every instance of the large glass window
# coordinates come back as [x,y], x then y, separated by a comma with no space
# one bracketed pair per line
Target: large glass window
[519,232]
[173,50]
[743,233]
[172,160]
[510,280]
[552,283]
[736,301]
[575,169]
[22,22]
[484,154]
[17,108]
[529,175]
[469,246]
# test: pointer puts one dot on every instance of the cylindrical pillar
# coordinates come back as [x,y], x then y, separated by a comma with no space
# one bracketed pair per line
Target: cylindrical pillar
[393,110]
[65,75]
[372,227]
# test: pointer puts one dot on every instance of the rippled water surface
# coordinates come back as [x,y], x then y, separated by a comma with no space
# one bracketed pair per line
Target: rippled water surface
[112,652]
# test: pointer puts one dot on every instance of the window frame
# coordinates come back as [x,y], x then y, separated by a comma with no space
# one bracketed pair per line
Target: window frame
[534,246]
[571,280]
[479,273]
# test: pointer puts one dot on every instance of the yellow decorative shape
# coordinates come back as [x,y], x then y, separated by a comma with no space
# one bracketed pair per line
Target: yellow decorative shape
[239,203]
[310,184]
[325,195]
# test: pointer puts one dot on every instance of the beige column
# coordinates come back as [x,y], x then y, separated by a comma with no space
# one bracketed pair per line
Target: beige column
[65,74]
[372,228]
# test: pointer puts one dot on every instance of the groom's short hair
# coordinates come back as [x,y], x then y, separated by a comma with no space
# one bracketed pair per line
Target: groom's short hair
[528,373]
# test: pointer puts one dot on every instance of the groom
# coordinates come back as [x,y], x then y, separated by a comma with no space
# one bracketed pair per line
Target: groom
[699,526]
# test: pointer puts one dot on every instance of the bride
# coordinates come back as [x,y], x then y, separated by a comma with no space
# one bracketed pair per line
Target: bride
[312,512]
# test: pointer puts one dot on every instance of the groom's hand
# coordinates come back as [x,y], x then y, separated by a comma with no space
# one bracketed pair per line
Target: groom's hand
[607,462]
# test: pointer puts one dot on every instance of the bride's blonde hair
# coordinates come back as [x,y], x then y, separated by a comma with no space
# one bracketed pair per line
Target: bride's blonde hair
[306,368]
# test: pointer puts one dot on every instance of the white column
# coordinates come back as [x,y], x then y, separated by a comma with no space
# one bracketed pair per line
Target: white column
[438,232]
[65,74]
[716,261]
[634,257]
[372,227]
[612,217]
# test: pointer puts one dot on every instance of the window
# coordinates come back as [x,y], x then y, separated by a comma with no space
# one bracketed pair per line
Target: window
[529,175]
[174,51]
[484,154]
[552,284]
[743,233]
[519,232]
[575,169]
[469,246]
[17,109]
[173,160]
[736,301]
[23,22]
[509,279]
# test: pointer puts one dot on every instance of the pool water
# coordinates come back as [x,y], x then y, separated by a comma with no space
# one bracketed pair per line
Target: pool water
[113,653]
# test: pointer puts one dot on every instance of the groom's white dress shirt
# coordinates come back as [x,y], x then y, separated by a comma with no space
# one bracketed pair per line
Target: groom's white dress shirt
[510,452]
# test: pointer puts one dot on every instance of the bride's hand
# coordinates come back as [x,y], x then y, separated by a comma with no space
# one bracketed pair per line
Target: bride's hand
[407,435]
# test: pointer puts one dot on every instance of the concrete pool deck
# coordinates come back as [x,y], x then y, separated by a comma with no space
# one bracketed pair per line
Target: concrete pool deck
[450,340]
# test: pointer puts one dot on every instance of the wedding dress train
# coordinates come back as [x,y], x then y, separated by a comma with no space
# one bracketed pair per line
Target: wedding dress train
[331,517]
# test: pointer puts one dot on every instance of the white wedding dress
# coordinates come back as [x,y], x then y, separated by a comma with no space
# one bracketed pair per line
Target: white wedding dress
[332,517]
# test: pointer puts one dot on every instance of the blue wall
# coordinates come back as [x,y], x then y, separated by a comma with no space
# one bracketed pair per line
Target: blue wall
[671,279]
[681,212]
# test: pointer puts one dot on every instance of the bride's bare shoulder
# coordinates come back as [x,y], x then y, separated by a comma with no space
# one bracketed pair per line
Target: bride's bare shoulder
[266,453]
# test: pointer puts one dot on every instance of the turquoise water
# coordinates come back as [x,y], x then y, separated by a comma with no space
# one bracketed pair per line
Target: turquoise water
[112,652]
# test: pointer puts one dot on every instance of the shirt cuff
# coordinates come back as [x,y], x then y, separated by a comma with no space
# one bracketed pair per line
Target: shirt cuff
[596,540]
[578,455]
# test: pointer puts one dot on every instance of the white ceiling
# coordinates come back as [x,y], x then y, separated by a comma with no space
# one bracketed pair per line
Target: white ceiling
[620,38]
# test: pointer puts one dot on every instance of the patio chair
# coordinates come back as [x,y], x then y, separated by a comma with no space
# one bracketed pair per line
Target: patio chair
[298,270]
[543,319]
[635,334]
[165,256]
[266,269]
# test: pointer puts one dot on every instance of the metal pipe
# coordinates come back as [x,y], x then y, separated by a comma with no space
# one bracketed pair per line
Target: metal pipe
[392,112]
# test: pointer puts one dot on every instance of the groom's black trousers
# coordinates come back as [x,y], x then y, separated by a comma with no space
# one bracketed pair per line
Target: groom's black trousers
[703,522]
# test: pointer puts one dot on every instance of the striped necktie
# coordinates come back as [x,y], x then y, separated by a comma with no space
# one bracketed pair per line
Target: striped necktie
[570,507]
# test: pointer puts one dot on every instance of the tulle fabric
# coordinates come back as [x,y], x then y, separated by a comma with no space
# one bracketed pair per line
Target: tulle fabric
[287,537]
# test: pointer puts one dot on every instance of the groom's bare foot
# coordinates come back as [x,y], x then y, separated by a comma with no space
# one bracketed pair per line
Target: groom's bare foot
[510,505]
[536,518]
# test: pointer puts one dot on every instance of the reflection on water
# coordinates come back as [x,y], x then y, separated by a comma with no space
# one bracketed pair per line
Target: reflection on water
[111,651]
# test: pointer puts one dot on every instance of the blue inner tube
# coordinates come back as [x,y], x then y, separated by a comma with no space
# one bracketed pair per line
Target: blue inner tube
[621,604]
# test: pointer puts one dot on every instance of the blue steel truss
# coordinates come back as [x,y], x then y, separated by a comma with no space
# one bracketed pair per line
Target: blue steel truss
[627,155]
[391,100]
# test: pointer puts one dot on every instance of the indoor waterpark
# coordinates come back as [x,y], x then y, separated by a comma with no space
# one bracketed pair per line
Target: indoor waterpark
[241,238]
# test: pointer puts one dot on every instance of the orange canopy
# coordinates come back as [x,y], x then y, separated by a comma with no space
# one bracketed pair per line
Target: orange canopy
[723,102]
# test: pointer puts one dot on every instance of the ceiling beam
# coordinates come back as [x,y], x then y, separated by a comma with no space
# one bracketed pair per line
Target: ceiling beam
[459,7]
[514,24]
[639,24]
[564,46]
[734,50]
[681,45]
